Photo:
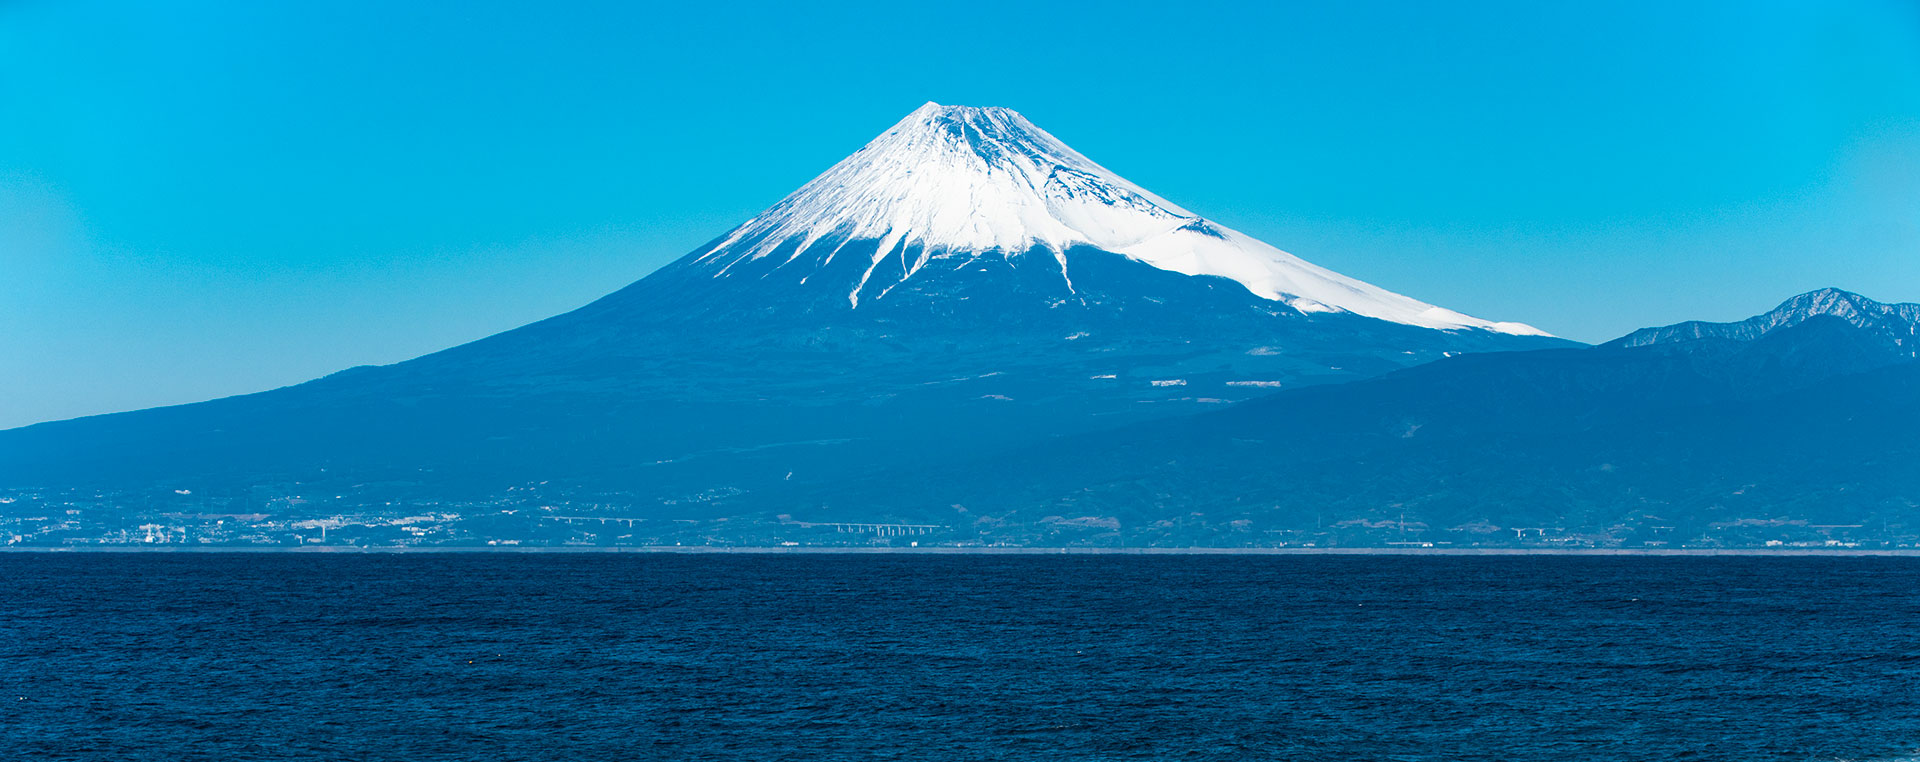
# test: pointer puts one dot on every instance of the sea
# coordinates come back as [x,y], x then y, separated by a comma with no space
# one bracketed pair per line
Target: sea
[281,656]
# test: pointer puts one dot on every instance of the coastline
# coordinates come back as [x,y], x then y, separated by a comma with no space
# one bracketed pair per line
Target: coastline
[1005,551]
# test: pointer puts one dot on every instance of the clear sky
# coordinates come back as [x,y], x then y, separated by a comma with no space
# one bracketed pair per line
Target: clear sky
[202,199]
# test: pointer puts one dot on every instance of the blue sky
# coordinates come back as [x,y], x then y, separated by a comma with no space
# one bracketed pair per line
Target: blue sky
[202,199]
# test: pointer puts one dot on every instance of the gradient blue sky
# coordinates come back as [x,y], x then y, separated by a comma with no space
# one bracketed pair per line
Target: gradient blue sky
[202,199]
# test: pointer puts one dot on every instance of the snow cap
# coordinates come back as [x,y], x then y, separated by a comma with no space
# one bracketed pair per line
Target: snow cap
[963,180]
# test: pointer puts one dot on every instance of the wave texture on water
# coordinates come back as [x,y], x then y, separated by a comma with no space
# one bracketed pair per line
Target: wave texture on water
[269,657]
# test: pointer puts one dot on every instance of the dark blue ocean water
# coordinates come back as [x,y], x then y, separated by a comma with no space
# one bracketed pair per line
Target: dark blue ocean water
[583,657]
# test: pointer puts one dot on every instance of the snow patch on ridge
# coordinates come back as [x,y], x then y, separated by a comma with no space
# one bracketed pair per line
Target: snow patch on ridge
[957,181]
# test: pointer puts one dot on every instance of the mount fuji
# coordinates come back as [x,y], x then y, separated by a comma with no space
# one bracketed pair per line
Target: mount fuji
[955,190]
[963,282]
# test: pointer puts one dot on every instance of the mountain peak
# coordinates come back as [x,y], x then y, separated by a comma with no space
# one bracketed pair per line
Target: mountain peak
[948,185]
[934,111]
[1900,322]
[1826,301]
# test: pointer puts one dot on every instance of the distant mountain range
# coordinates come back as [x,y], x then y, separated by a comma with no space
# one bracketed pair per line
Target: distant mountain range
[963,282]
[1803,423]
[1891,322]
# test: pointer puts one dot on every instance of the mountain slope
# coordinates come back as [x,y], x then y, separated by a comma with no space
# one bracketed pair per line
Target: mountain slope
[950,186]
[1815,423]
[943,291]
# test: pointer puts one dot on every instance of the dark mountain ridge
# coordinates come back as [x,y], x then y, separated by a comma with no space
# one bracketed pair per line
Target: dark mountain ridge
[1814,421]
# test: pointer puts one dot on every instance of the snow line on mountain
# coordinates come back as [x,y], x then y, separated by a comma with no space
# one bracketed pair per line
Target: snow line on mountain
[960,181]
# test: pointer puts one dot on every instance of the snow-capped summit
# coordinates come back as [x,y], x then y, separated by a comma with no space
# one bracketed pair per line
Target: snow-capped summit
[961,284]
[950,185]
[1901,322]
